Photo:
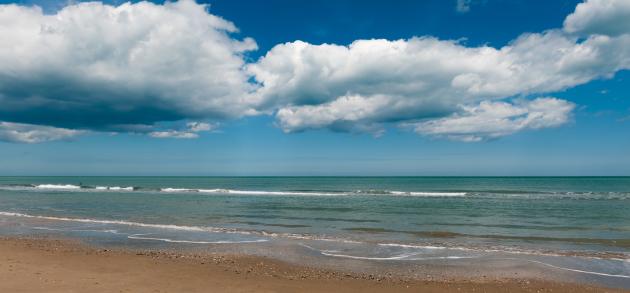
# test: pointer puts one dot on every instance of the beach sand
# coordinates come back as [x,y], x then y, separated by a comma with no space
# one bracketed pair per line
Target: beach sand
[54,265]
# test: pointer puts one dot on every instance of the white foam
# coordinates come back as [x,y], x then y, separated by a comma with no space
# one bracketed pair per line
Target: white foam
[396,257]
[238,191]
[403,256]
[168,189]
[57,186]
[180,228]
[120,222]
[128,188]
[570,269]
[411,246]
[288,235]
[262,192]
[141,237]
[427,194]
[253,192]
[48,229]
[77,230]
[217,190]
[314,193]
[114,188]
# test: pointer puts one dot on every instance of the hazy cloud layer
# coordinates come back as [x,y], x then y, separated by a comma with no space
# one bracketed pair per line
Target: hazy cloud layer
[191,130]
[28,133]
[133,67]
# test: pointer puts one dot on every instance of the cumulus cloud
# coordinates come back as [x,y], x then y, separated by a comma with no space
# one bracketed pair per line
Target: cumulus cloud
[372,82]
[343,114]
[28,133]
[191,131]
[490,120]
[606,17]
[97,66]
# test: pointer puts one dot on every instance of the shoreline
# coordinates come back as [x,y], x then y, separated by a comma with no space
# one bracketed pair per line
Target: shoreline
[33,264]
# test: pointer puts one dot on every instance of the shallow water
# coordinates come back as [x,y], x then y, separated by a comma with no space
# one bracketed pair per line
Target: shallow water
[577,227]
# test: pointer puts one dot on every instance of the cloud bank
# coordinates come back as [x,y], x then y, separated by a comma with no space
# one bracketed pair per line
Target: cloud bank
[96,66]
[430,82]
[130,68]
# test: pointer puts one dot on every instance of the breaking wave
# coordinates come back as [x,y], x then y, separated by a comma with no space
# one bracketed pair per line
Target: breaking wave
[620,195]
[223,191]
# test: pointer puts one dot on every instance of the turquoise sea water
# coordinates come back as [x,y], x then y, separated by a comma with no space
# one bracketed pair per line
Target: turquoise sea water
[572,224]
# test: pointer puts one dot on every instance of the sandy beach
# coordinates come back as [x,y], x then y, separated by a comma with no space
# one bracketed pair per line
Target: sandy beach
[53,265]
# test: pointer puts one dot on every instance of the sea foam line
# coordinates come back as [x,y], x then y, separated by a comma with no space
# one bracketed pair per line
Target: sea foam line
[142,237]
[57,186]
[124,223]
[176,227]
[314,193]
[252,192]
[404,256]
[81,188]
[569,269]
[412,246]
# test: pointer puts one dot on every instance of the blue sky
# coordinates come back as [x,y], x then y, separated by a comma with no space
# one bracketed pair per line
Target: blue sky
[400,89]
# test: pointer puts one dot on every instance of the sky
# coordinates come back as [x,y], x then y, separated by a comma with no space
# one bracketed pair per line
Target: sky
[374,88]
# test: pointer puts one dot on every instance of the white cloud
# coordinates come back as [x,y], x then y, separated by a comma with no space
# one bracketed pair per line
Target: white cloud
[191,130]
[200,126]
[28,133]
[371,82]
[93,66]
[173,134]
[607,17]
[342,114]
[463,6]
[490,120]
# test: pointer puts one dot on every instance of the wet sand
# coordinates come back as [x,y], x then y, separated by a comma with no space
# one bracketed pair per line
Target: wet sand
[54,265]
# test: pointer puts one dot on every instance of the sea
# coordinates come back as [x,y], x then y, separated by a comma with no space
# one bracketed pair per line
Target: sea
[567,228]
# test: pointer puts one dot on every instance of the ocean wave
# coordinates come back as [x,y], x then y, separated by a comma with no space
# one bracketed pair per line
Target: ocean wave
[570,269]
[57,186]
[253,192]
[413,193]
[412,256]
[222,191]
[493,194]
[411,246]
[179,227]
[111,231]
[456,246]
[66,187]
[622,243]
[115,188]
[119,222]
[144,237]
[401,256]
